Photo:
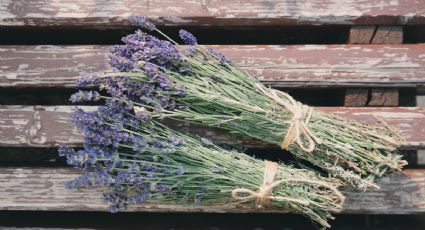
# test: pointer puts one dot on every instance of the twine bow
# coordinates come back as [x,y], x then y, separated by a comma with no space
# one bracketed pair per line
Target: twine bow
[265,193]
[301,115]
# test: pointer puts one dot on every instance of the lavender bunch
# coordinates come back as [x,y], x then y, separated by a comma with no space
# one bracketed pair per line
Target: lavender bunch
[144,161]
[203,86]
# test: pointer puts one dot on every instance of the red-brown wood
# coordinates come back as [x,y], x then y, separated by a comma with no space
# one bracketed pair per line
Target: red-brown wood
[361,34]
[383,97]
[388,35]
[371,97]
[356,97]
[45,126]
[373,35]
[279,66]
[104,14]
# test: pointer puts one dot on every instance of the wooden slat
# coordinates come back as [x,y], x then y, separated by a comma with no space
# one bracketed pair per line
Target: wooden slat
[356,97]
[98,13]
[388,35]
[43,189]
[371,97]
[376,35]
[279,66]
[383,97]
[49,125]
[361,34]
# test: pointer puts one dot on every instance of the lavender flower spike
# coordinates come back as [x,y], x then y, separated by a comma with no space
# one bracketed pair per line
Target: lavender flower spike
[142,21]
[187,38]
[84,96]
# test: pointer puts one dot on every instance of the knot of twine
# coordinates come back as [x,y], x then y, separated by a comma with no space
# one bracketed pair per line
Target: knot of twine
[265,193]
[301,115]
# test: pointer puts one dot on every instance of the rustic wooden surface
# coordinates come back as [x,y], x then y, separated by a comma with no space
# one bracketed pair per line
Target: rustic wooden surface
[361,34]
[388,35]
[371,97]
[279,66]
[376,35]
[45,126]
[383,97]
[98,13]
[373,35]
[43,189]
[356,97]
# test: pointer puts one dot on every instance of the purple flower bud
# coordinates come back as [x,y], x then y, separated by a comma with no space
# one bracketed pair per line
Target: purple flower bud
[141,113]
[88,80]
[174,140]
[206,141]
[65,150]
[84,96]
[198,199]
[187,37]
[180,171]
[223,59]
[216,170]
[142,21]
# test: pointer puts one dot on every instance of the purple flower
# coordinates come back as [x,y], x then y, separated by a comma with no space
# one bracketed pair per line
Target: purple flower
[88,80]
[84,96]
[187,37]
[65,151]
[216,170]
[180,171]
[221,57]
[142,22]
[174,140]
[206,141]
[198,199]
[139,144]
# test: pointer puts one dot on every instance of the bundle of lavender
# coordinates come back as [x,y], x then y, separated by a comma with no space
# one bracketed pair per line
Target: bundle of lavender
[144,161]
[203,86]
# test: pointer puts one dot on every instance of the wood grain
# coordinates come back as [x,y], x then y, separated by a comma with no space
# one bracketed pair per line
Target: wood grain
[371,97]
[361,34]
[356,97]
[106,14]
[43,126]
[384,97]
[278,66]
[43,189]
[376,35]
[388,35]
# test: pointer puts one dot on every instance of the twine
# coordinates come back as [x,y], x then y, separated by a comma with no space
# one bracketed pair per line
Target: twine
[301,115]
[265,193]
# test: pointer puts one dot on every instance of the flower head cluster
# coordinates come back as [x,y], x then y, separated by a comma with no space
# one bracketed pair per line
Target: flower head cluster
[84,96]
[142,21]
[122,154]
[187,38]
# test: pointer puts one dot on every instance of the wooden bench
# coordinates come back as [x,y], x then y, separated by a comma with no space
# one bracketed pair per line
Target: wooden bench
[373,69]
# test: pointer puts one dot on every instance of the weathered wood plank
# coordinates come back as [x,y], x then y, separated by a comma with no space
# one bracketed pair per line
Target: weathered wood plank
[356,97]
[371,97]
[361,34]
[383,97]
[44,126]
[374,35]
[279,66]
[388,35]
[43,189]
[97,13]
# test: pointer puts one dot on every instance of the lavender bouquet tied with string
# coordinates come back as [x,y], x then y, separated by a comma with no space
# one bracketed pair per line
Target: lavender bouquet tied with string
[139,161]
[199,85]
